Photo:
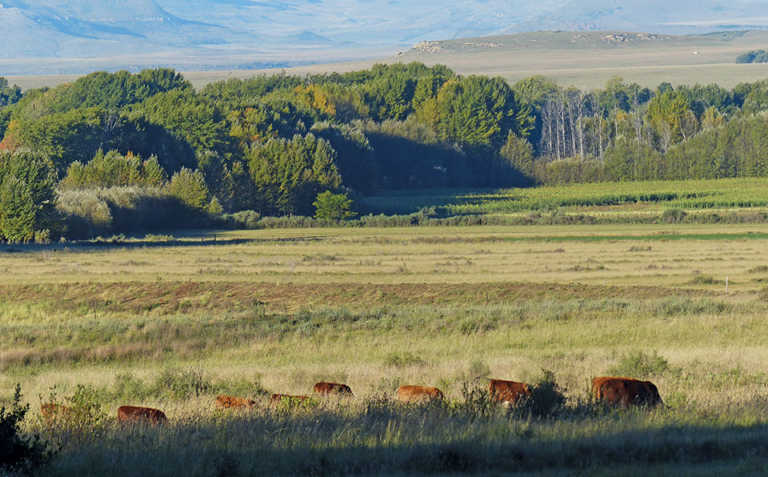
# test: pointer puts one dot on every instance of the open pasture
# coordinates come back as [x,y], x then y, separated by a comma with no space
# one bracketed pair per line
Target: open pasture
[172,324]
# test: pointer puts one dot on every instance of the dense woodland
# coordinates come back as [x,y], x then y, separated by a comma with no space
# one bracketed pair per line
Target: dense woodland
[127,152]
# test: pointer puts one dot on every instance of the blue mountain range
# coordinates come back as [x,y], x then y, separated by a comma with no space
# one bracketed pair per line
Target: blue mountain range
[110,28]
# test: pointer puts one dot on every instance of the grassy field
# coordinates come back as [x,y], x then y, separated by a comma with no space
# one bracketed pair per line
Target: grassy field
[601,200]
[174,324]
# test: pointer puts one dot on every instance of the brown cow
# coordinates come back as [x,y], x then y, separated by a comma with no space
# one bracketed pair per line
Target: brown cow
[277,398]
[141,414]
[327,389]
[419,394]
[625,391]
[227,402]
[508,392]
[52,412]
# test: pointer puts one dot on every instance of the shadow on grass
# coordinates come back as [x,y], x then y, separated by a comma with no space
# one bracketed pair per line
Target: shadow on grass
[318,445]
[207,240]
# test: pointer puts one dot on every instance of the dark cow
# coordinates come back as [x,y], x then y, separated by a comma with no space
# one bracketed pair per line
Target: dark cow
[508,392]
[337,389]
[228,402]
[625,391]
[419,394]
[141,414]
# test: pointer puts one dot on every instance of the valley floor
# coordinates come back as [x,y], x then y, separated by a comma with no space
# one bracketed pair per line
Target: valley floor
[173,325]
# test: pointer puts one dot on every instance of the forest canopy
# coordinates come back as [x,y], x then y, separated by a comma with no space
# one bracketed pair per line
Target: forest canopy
[115,142]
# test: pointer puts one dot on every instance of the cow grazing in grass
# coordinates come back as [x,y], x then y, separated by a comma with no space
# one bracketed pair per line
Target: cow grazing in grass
[52,412]
[625,391]
[328,389]
[419,394]
[141,414]
[508,392]
[277,398]
[228,402]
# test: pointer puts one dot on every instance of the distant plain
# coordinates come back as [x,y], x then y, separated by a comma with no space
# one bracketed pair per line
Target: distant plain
[584,60]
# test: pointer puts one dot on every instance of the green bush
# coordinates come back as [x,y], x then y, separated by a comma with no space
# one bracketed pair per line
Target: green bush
[182,383]
[128,210]
[403,359]
[189,187]
[673,216]
[546,399]
[19,453]
[245,219]
[476,401]
[27,198]
[330,206]
[640,365]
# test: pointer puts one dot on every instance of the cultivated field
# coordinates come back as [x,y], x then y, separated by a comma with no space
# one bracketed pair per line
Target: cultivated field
[608,201]
[171,324]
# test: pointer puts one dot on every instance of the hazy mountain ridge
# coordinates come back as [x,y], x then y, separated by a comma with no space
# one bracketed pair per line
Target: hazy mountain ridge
[271,31]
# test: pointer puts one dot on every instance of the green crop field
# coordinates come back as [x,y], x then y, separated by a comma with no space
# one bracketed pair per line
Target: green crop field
[609,199]
[173,323]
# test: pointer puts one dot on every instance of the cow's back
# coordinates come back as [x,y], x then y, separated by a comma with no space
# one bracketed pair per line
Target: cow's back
[227,402]
[418,394]
[141,414]
[333,388]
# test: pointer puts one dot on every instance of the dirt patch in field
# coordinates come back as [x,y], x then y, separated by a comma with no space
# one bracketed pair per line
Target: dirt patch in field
[171,297]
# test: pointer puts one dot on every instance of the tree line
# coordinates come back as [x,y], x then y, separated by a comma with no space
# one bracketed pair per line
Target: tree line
[274,144]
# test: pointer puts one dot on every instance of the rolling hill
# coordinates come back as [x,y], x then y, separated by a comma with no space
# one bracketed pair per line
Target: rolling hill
[215,34]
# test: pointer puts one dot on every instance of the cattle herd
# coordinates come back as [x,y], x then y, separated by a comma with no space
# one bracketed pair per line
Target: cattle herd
[621,391]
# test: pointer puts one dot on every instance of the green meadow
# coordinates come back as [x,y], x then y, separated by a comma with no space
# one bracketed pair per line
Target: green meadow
[172,323]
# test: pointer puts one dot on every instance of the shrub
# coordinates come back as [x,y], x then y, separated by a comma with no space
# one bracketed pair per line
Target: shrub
[245,219]
[673,216]
[19,453]
[27,197]
[189,187]
[95,212]
[330,206]
[128,386]
[705,280]
[640,365]
[182,384]
[403,359]
[86,405]
[546,399]
[476,401]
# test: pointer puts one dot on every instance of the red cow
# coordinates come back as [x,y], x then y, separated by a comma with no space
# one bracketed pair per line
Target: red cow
[419,394]
[333,388]
[141,414]
[625,391]
[227,402]
[508,392]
